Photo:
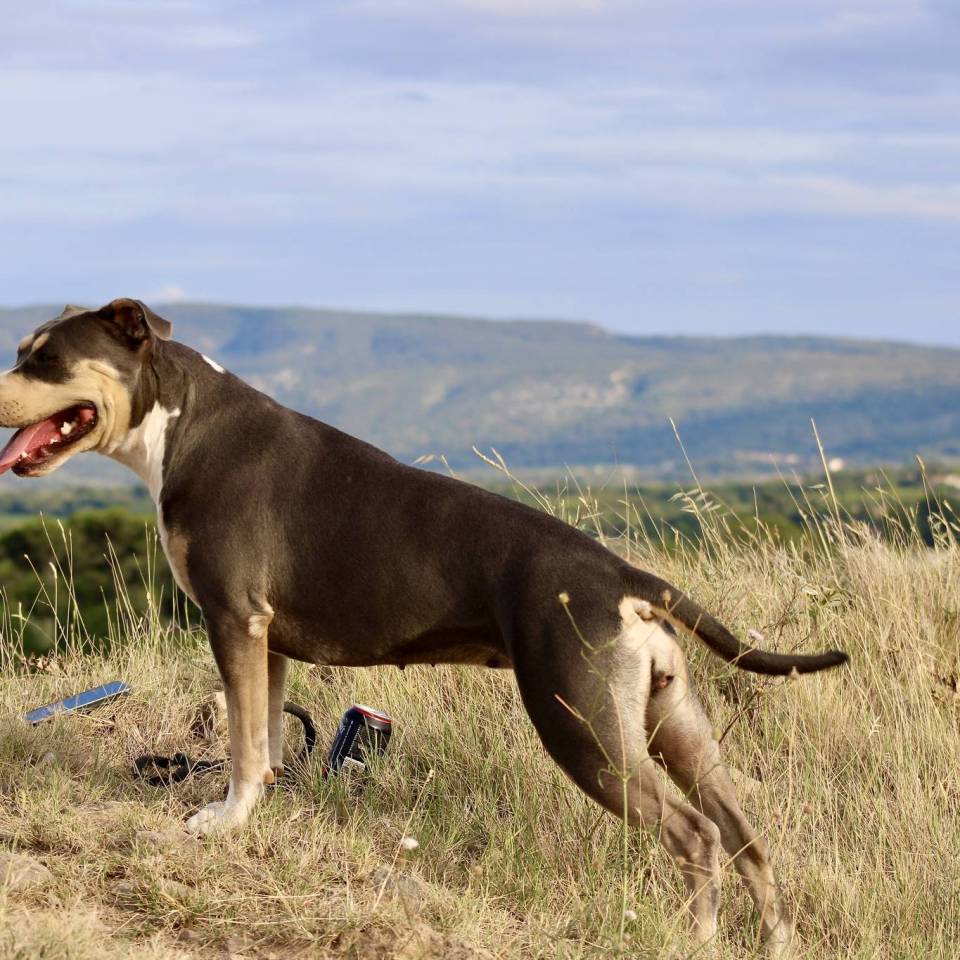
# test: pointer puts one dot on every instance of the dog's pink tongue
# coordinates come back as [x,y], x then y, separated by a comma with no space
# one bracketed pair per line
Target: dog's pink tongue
[23,441]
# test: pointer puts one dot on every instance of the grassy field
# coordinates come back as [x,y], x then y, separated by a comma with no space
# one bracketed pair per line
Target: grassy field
[854,777]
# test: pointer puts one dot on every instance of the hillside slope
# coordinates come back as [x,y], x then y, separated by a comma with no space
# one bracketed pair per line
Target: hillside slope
[548,393]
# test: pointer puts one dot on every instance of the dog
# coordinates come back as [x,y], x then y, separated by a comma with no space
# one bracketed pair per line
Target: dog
[300,542]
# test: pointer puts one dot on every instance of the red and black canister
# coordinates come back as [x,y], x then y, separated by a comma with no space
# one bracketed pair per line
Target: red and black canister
[363,733]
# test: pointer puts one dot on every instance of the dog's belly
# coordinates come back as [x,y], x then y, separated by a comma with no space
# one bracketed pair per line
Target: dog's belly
[454,645]
[475,644]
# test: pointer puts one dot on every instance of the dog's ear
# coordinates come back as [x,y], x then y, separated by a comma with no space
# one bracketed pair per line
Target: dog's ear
[136,320]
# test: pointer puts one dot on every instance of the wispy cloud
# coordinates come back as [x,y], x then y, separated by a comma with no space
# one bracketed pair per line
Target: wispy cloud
[166,293]
[606,143]
[833,196]
[311,152]
[514,9]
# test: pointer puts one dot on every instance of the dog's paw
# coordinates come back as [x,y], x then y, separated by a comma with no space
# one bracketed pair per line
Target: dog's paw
[688,951]
[213,818]
[779,942]
[780,948]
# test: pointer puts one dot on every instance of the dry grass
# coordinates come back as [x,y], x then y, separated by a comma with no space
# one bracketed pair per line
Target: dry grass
[855,777]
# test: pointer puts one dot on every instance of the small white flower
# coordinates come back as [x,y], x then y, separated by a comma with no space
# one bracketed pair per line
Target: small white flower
[630,915]
[409,843]
[755,636]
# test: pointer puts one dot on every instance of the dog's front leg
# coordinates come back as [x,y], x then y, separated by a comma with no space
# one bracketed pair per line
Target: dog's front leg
[240,649]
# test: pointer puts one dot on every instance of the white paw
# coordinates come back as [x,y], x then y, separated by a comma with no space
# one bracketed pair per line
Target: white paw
[780,949]
[780,942]
[213,818]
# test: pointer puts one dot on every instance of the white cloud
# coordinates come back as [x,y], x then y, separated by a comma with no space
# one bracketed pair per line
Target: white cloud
[868,16]
[345,149]
[517,9]
[167,293]
[526,8]
[837,196]
[215,37]
[200,140]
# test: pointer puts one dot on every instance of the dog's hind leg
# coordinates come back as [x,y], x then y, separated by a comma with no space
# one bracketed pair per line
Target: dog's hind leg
[593,726]
[277,667]
[240,649]
[682,738]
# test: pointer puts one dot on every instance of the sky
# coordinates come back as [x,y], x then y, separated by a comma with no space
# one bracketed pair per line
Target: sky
[694,166]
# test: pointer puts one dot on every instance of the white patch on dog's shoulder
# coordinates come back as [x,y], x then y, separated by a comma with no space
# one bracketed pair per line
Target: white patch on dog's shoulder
[213,363]
[143,448]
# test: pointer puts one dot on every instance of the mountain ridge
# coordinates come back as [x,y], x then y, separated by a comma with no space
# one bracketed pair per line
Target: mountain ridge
[547,393]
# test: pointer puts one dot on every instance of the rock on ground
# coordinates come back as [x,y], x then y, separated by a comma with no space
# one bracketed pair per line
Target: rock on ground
[416,942]
[19,872]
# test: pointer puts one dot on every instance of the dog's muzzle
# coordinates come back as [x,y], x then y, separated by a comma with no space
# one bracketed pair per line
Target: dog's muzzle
[35,445]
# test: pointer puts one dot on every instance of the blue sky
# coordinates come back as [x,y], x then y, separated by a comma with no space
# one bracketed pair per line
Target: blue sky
[692,166]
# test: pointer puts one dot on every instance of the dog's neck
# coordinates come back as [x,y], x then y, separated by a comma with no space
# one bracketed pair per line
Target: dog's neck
[158,401]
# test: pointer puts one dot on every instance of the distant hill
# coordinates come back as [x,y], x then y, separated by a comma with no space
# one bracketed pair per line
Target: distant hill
[548,393]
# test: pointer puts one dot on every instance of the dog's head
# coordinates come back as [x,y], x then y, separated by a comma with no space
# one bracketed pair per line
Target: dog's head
[73,385]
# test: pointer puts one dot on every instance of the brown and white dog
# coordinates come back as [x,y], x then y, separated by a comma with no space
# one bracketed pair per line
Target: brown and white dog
[298,541]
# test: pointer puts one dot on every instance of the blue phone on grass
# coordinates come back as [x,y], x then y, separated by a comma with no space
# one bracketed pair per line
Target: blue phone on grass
[87,700]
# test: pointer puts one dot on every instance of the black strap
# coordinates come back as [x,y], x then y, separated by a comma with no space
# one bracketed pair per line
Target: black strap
[165,771]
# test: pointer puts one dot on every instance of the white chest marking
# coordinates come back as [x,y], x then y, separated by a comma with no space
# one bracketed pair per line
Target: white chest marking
[213,363]
[143,448]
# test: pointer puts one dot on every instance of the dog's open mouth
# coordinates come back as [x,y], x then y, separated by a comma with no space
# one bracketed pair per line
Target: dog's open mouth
[31,448]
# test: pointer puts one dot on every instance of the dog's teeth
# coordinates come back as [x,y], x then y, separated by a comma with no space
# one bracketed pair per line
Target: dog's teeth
[68,428]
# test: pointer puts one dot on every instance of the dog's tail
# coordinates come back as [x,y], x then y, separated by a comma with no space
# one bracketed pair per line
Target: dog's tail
[655,597]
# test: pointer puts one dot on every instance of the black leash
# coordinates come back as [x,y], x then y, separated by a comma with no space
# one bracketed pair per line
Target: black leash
[166,771]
